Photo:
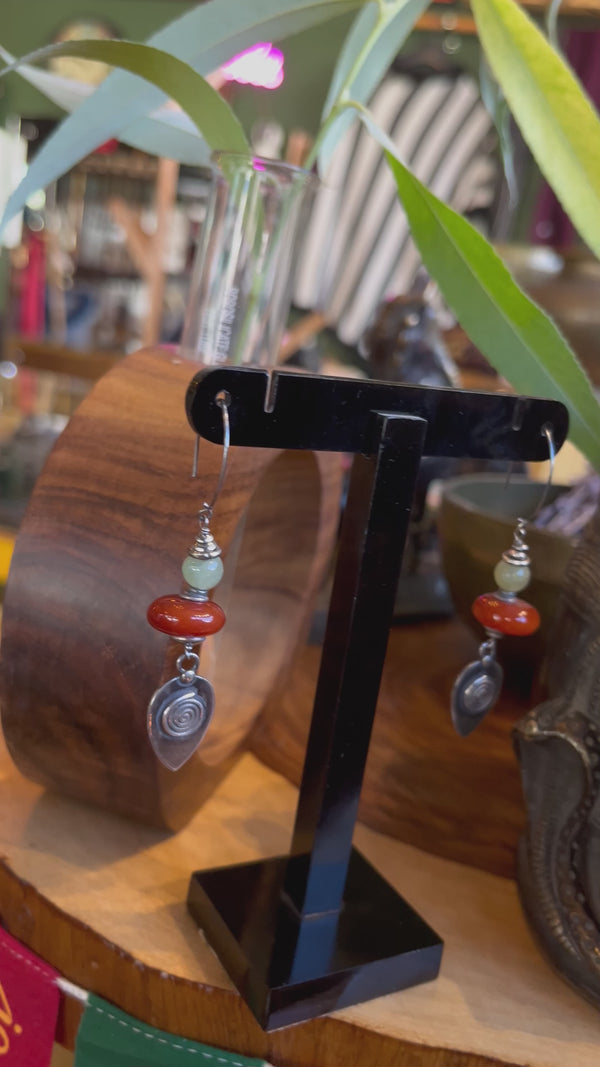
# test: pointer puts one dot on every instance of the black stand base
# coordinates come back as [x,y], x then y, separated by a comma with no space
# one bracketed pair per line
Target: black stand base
[289,969]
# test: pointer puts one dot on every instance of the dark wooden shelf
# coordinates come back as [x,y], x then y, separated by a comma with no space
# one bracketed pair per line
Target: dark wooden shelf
[58,359]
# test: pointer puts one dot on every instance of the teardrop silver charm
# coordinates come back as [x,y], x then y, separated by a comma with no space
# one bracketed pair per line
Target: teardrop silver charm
[474,693]
[178,716]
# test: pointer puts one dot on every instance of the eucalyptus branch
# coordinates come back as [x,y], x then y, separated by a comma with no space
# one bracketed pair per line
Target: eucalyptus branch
[333,115]
[557,120]
[376,36]
[386,11]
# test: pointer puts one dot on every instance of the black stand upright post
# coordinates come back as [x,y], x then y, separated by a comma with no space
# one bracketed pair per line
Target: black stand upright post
[373,532]
[320,929]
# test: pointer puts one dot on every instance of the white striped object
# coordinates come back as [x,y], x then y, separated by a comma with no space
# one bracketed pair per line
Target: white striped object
[357,248]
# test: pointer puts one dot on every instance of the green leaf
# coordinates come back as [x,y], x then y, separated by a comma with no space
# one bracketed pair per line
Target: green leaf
[519,340]
[205,37]
[166,132]
[207,109]
[178,80]
[495,104]
[213,32]
[555,117]
[365,24]
[171,134]
[66,92]
[373,42]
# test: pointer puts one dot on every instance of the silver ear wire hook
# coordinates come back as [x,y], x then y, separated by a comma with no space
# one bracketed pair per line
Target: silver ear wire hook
[223,401]
[195,456]
[546,431]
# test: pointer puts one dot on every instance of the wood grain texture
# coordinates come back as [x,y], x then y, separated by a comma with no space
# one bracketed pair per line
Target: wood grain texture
[456,797]
[105,533]
[103,900]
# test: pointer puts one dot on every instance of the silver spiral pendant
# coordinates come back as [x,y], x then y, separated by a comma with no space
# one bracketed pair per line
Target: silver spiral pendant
[178,717]
[475,692]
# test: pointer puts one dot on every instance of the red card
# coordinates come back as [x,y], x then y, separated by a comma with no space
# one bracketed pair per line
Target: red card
[29,998]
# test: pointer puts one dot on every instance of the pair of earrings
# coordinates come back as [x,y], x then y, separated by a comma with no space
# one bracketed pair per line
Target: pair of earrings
[501,613]
[180,711]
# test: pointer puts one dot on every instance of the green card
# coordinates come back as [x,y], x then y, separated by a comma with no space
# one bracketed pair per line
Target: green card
[109,1038]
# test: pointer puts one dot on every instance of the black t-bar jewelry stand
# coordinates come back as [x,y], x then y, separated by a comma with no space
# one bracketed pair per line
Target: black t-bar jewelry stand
[304,934]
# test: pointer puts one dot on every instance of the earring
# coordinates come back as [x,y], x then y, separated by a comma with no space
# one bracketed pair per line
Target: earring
[501,613]
[180,711]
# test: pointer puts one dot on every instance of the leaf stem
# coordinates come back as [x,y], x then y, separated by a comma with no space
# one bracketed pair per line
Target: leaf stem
[383,17]
[311,158]
[552,23]
[385,12]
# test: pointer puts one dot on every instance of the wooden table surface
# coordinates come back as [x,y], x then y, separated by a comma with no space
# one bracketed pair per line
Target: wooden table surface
[102,899]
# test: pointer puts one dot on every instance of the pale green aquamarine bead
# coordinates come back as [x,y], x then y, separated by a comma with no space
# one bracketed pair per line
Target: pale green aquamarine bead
[510,577]
[202,573]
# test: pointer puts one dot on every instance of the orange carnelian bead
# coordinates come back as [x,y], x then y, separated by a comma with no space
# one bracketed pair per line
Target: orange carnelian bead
[514,617]
[178,616]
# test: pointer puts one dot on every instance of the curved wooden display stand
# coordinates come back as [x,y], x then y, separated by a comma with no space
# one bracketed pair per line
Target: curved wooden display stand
[106,530]
[109,522]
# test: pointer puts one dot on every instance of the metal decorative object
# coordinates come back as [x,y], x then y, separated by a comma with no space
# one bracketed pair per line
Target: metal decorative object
[179,714]
[180,710]
[558,746]
[477,688]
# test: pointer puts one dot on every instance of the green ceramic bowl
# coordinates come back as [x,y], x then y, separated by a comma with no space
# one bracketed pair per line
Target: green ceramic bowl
[476,523]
